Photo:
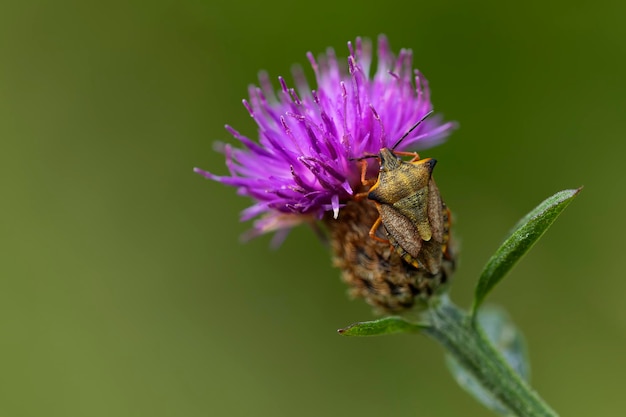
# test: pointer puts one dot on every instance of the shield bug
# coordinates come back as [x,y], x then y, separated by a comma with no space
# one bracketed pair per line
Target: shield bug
[411,212]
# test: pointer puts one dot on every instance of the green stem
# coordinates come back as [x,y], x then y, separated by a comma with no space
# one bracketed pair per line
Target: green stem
[455,330]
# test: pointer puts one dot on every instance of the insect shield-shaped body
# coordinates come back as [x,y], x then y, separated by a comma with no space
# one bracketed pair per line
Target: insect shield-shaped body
[411,210]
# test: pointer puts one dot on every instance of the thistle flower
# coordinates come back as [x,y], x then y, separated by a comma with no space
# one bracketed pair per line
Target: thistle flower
[304,166]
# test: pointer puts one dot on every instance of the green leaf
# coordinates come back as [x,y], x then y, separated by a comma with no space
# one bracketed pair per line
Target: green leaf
[387,325]
[508,341]
[522,238]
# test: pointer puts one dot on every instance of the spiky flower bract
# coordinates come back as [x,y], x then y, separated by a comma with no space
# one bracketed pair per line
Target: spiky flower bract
[303,164]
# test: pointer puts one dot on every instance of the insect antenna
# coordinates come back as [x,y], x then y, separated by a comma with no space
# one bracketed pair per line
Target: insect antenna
[411,129]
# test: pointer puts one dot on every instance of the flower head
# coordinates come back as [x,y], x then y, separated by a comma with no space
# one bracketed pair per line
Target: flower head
[306,167]
[303,164]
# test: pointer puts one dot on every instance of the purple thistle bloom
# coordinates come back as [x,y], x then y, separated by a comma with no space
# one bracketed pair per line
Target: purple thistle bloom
[304,163]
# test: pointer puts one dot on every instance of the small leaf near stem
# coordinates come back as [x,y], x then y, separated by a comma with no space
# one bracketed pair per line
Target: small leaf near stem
[386,325]
[522,238]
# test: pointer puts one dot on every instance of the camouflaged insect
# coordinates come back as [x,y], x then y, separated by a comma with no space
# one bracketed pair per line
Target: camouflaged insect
[411,212]
[409,206]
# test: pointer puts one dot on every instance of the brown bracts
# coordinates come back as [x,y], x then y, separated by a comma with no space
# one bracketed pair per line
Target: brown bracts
[392,241]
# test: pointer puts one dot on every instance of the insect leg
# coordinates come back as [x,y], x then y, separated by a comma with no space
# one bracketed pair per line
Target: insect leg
[415,155]
[375,226]
[364,181]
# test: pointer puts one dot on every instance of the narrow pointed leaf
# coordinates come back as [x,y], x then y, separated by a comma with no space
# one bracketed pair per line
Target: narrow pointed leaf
[510,343]
[522,238]
[387,325]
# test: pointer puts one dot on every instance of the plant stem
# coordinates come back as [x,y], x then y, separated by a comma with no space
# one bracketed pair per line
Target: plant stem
[463,339]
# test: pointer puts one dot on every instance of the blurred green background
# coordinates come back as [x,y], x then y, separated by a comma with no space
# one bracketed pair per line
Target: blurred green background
[124,288]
